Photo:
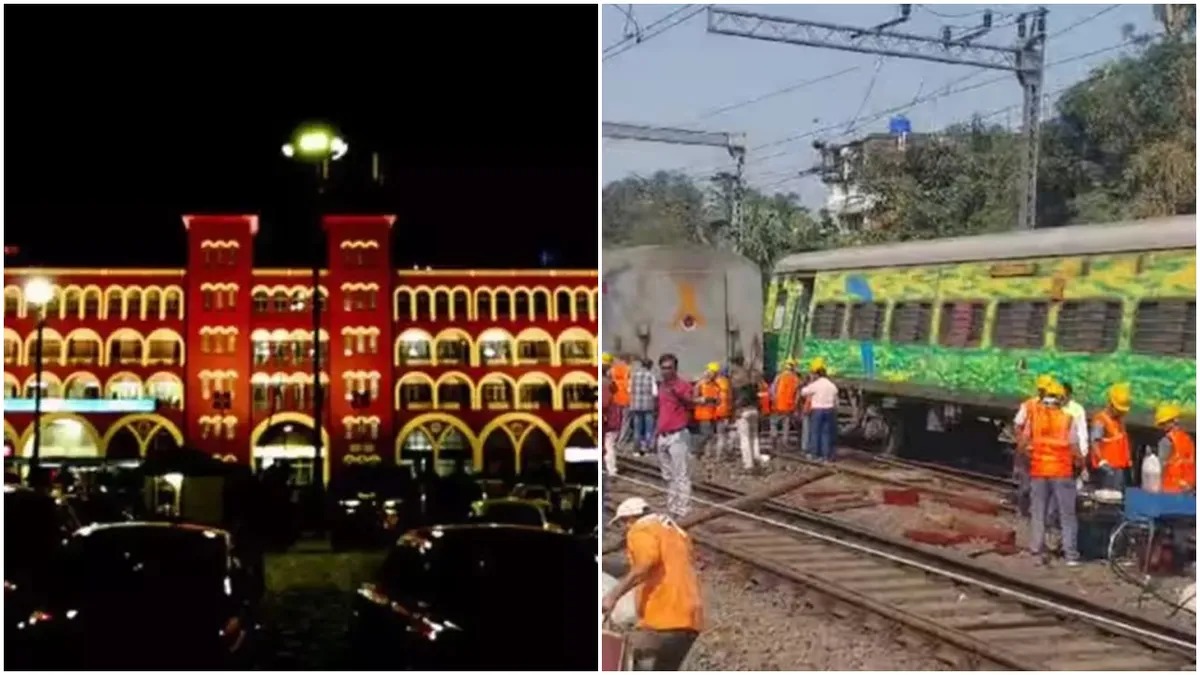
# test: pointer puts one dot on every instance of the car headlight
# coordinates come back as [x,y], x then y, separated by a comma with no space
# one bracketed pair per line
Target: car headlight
[391,504]
[350,502]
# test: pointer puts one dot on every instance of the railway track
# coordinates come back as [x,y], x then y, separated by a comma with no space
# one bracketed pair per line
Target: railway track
[987,618]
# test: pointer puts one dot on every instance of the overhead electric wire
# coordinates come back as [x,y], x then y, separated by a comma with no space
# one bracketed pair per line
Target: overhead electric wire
[941,92]
[637,37]
[776,92]
[900,108]
[645,37]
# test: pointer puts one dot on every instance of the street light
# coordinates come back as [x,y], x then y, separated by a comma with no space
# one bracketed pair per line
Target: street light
[317,144]
[39,293]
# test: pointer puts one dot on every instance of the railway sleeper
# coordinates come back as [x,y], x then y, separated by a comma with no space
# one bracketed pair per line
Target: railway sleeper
[1111,662]
[936,609]
[869,586]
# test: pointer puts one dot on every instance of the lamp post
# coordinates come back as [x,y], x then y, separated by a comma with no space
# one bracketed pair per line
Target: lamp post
[39,293]
[317,145]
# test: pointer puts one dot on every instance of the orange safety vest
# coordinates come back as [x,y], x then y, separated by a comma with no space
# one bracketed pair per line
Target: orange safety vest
[764,398]
[725,398]
[670,597]
[1114,446]
[706,412]
[1179,475]
[1050,444]
[620,377]
[786,386]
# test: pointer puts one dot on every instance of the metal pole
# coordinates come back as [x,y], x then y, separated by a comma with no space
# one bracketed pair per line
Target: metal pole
[35,460]
[315,300]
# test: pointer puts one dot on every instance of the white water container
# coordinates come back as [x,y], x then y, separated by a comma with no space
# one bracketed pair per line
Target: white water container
[1151,473]
[624,615]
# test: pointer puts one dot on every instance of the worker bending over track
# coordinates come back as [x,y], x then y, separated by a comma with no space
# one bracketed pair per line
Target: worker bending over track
[668,601]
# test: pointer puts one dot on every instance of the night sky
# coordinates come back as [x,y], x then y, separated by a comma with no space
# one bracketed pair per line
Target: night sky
[121,119]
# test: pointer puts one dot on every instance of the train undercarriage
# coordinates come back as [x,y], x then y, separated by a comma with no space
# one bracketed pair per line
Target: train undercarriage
[976,437]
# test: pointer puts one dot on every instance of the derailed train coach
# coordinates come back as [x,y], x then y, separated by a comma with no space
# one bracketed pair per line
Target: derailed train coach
[698,303]
[941,340]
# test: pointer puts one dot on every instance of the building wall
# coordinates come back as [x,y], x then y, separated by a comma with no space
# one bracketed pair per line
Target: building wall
[220,309]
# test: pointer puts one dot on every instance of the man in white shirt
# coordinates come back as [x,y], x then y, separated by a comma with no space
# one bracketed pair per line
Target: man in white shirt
[823,396]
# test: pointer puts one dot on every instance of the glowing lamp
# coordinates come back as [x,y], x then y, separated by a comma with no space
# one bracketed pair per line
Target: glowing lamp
[38,292]
[316,143]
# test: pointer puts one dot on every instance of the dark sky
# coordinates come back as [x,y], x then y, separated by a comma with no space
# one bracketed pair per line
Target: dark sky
[121,118]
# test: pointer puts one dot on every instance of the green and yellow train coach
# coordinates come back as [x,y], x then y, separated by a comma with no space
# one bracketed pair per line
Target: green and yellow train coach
[932,333]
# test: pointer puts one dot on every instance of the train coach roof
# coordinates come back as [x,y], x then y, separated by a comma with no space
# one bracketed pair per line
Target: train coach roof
[1140,235]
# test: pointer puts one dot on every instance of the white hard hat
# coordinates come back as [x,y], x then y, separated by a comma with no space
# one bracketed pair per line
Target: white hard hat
[634,506]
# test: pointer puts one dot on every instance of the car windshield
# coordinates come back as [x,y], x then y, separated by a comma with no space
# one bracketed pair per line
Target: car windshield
[512,513]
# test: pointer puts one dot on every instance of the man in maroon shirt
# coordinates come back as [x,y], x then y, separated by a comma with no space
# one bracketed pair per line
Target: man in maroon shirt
[672,438]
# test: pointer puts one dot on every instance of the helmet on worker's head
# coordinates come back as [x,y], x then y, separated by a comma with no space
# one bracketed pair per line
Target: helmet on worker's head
[606,358]
[1044,381]
[713,367]
[1166,413]
[1120,398]
[1055,389]
[816,365]
[789,363]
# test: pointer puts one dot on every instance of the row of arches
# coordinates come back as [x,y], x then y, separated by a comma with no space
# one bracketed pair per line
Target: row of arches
[86,347]
[282,299]
[516,437]
[487,303]
[164,386]
[92,302]
[574,346]
[496,391]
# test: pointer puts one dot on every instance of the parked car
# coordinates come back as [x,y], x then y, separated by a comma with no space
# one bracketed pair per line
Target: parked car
[479,597]
[136,596]
[36,527]
[514,511]
[373,504]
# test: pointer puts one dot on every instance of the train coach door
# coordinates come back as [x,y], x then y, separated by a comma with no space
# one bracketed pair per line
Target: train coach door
[799,327]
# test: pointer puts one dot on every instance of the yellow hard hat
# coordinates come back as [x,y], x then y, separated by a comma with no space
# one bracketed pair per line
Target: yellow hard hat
[816,364]
[606,358]
[790,363]
[1055,389]
[1044,381]
[1168,412]
[713,367]
[1120,397]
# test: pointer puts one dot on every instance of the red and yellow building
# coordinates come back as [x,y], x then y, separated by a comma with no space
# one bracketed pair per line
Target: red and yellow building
[492,366]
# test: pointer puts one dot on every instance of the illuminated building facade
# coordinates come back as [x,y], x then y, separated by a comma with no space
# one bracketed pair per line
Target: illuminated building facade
[494,367]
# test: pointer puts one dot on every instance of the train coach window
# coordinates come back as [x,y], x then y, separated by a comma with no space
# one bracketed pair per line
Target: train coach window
[1165,327]
[962,324]
[910,322]
[866,320]
[828,318]
[781,298]
[1088,326]
[1020,324]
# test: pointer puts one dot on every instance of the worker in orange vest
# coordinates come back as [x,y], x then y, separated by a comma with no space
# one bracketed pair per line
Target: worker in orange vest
[785,391]
[1021,456]
[1176,451]
[1050,438]
[1110,457]
[620,373]
[708,390]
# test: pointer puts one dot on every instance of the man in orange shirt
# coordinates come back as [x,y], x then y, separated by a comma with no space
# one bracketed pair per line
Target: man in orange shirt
[668,599]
